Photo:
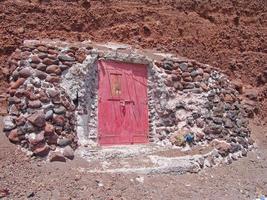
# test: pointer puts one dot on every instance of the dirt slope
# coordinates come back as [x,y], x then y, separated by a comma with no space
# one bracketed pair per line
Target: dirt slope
[23,177]
[228,34]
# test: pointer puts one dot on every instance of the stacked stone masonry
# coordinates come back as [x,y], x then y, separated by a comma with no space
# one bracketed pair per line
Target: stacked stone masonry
[52,104]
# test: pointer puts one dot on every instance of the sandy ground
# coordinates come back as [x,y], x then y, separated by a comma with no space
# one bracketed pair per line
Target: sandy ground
[26,178]
[230,35]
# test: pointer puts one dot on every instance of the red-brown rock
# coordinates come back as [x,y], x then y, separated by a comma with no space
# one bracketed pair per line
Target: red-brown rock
[198,78]
[52,79]
[185,74]
[37,119]
[11,92]
[59,120]
[53,57]
[19,93]
[33,65]
[41,149]
[52,139]
[41,67]
[223,147]
[14,136]
[16,55]
[52,51]
[35,59]
[228,98]
[53,69]
[69,64]
[25,72]
[48,61]
[43,97]
[38,139]
[31,96]
[206,76]
[204,87]
[42,55]
[188,79]
[18,83]
[34,104]
[80,57]
[20,121]
[56,156]
[40,74]
[49,129]
[42,49]
[200,136]
[25,55]
[238,85]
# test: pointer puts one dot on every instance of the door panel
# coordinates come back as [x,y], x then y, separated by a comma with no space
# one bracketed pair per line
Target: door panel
[122,105]
[139,93]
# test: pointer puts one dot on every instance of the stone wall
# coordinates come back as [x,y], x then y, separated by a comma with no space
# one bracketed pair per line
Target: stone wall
[53,99]
[196,101]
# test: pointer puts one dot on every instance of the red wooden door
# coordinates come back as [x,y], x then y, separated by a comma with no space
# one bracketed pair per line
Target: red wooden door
[122,103]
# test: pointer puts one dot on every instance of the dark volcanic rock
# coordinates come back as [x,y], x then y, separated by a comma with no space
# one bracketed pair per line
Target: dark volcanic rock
[56,156]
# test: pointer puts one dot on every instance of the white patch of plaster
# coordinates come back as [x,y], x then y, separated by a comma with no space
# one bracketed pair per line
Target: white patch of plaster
[114,46]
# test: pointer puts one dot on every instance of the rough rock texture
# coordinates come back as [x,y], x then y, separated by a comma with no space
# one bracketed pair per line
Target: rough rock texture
[189,103]
[41,113]
[204,107]
[229,34]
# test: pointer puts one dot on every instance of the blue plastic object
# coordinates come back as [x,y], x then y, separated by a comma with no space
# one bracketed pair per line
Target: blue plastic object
[262,197]
[189,138]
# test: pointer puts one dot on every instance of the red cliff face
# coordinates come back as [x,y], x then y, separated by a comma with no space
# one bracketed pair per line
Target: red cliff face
[229,35]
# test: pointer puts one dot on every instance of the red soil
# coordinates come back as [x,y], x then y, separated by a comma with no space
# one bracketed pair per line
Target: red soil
[227,34]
